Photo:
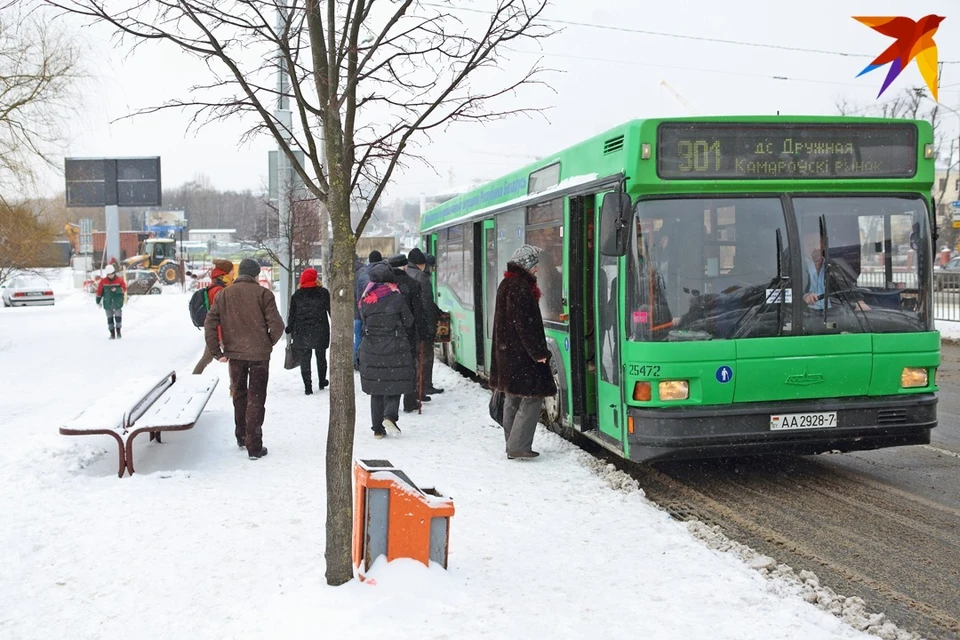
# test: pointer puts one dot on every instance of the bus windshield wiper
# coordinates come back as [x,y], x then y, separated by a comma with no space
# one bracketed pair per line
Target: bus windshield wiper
[775,294]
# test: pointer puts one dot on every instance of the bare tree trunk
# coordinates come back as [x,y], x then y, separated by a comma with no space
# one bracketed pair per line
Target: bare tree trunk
[343,409]
[343,413]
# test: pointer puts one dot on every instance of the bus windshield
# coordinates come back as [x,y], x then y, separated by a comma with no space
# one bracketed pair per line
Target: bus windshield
[754,267]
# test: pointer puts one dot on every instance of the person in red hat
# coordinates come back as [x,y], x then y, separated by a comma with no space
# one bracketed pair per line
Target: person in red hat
[221,276]
[309,324]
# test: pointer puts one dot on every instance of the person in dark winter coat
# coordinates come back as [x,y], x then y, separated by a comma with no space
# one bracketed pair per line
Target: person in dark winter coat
[412,294]
[520,359]
[386,361]
[361,279]
[417,269]
[111,293]
[241,328]
[309,323]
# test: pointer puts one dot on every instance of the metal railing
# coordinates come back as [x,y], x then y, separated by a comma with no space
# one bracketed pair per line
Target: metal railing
[946,289]
[946,296]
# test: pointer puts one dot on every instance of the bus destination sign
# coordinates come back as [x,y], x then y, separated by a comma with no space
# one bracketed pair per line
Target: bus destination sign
[704,151]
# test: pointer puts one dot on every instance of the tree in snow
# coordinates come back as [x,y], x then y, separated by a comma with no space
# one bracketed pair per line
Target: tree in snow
[300,232]
[39,73]
[24,239]
[367,80]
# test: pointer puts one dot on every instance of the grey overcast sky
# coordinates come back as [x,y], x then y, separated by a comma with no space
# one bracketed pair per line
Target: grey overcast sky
[608,71]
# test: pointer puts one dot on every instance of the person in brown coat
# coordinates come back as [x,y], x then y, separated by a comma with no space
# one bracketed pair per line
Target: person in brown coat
[520,359]
[250,325]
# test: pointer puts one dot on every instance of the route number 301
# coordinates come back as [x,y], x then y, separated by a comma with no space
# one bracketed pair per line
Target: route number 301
[650,370]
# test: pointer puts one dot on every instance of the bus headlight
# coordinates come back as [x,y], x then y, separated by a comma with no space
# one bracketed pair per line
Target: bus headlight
[913,377]
[674,390]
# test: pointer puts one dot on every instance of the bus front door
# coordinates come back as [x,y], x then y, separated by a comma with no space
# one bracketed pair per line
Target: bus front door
[608,294]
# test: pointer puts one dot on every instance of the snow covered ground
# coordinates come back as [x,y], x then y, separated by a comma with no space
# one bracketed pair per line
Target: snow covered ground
[203,543]
[949,330]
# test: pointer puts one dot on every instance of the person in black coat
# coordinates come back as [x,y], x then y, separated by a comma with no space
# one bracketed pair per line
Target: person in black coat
[386,360]
[309,324]
[417,269]
[520,358]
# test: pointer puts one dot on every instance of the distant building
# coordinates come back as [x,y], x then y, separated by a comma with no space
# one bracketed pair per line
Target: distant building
[206,235]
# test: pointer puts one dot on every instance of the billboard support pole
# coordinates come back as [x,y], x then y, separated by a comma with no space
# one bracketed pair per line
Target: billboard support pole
[112,246]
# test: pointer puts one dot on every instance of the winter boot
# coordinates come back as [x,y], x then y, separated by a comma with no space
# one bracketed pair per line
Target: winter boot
[257,456]
[391,425]
[113,333]
[379,433]
[118,332]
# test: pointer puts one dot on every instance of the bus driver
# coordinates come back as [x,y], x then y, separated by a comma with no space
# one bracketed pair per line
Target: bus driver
[815,274]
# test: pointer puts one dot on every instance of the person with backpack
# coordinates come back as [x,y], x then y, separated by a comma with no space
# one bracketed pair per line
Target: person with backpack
[111,294]
[309,323]
[202,299]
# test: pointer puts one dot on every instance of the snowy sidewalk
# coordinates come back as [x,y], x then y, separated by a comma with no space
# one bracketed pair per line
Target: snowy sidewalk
[203,543]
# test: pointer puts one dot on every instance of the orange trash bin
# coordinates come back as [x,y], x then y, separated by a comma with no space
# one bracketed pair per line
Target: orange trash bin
[395,518]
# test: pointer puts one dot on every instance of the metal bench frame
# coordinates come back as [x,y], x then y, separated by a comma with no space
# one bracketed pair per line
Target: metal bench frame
[127,430]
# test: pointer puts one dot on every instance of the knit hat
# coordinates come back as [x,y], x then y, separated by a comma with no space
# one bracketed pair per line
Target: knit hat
[431,260]
[249,267]
[221,268]
[416,256]
[308,278]
[381,272]
[374,257]
[527,256]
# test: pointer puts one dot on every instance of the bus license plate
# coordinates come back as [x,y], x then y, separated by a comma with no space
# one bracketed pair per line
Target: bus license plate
[804,420]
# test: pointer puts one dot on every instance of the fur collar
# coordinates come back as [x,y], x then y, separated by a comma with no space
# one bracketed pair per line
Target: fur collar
[516,271]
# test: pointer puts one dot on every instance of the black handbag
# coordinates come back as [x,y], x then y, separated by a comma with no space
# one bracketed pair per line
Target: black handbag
[496,406]
[290,359]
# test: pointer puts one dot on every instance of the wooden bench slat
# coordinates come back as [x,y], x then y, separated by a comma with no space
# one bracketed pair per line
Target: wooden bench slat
[181,405]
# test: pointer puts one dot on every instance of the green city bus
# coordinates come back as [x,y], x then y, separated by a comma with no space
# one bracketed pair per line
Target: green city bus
[716,286]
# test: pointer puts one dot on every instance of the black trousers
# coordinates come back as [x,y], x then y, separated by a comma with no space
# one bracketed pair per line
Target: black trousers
[383,407]
[304,355]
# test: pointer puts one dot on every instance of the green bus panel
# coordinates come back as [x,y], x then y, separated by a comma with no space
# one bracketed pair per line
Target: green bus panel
[462,328]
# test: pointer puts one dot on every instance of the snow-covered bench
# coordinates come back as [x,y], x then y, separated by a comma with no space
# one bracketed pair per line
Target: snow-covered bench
[171,404]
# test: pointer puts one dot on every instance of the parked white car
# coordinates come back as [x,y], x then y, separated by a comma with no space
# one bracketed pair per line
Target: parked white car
[27,290]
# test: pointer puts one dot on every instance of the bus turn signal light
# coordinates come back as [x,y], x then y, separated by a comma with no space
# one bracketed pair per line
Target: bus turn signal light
[641,391]
[913,377]
[674,390]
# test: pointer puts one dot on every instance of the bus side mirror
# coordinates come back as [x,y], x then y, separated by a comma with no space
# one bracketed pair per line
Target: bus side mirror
[614,224]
